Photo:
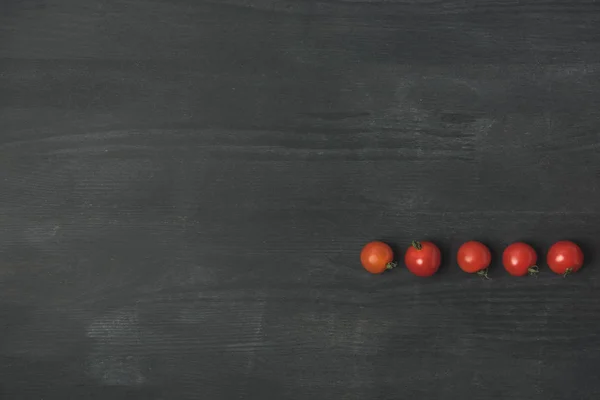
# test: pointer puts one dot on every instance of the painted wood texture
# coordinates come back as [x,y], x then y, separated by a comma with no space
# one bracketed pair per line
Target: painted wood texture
[185,187]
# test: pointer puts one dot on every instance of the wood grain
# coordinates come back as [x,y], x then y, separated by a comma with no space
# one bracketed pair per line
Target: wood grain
[185,187]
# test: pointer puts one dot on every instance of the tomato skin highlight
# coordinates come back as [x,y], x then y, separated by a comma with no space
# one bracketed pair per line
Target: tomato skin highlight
[377,257]
[565,257]
[519,259]
[473,257]
[423,258]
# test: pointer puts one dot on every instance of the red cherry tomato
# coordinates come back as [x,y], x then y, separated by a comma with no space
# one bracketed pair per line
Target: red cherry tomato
[423,258]
[474,257]
[565,257]
[519,259]
[377,257]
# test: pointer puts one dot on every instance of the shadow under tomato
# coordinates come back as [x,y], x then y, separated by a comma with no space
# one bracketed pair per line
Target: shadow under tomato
[448,258]
[589,252]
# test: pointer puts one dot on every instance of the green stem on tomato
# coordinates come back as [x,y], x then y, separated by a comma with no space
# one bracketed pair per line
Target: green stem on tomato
[533,270]
[417,245]
[568,271]
[391,265]
[483,273]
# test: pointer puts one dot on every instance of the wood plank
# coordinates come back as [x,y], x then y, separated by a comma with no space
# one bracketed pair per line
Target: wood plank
[185,187]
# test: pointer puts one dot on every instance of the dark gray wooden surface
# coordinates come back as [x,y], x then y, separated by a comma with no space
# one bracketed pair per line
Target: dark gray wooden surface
[185,187]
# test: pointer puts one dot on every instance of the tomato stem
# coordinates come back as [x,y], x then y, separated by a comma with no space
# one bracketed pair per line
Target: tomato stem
[568,271]
[533,270]
[483,273]
[391,265]
[417,245]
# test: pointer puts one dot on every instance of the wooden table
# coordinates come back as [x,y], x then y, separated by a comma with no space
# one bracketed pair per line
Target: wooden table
[185,187]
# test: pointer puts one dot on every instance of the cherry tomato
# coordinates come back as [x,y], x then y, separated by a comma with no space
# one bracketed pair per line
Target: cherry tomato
[423,258]
[565,257]
[519,259]
[474,257]
[377,257]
